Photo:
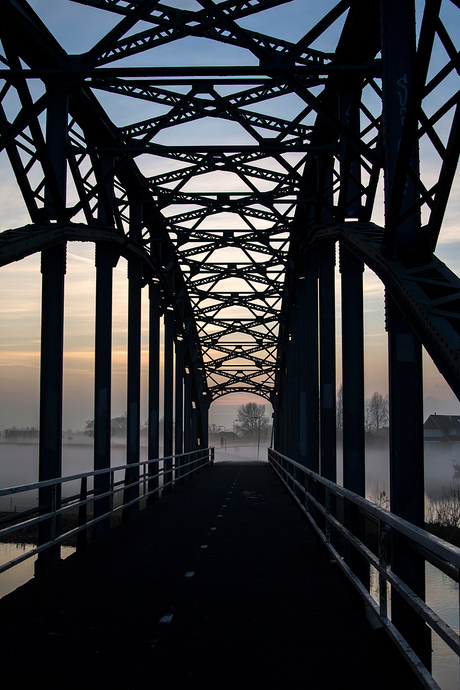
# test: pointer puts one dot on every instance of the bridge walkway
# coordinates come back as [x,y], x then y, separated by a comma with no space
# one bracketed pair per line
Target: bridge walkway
[218,585]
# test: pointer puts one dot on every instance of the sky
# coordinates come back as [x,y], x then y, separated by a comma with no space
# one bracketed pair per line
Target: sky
[20,282]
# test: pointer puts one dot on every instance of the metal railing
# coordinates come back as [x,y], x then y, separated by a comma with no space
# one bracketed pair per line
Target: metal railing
[152,479]
[305,487]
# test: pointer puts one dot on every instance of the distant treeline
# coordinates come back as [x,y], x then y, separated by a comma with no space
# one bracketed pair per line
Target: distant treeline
[25,432]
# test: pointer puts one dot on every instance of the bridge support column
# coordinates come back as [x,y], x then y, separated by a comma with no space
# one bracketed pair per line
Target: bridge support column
[154,387]
[168,393]
[53,268]
[354,477]
[187,410]
[282,443]
[293,383]
[179,398]
[302,369]
[56,139]
[327,359]
[194,425]
[311,354]
[205,424]
[134,380]
[106,259]
[407,488]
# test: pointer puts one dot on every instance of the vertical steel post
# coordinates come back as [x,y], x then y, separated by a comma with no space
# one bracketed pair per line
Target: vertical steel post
[187,411]
[179,399]
[312,359]
[194,425]
[82,536]
[302,367]
[168,393]
[327,359]
[134,380]
[204,420]
[351,270]
[154,387]
[398,57]
[407,487]
[354,478]
[105,261]
[293,375]
[282,401]
[56,138]
[53,268]
[289,397]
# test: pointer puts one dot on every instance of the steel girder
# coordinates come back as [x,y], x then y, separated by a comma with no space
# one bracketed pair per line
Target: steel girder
[225,226]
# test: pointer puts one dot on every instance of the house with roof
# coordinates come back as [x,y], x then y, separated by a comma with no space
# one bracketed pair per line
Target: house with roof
[441,434]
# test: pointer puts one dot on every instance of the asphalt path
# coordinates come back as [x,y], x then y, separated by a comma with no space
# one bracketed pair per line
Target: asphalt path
[220,584]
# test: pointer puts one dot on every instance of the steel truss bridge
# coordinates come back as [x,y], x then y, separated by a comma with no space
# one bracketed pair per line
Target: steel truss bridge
[227,165]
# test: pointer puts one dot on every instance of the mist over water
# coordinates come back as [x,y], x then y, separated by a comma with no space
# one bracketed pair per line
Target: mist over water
[19,465]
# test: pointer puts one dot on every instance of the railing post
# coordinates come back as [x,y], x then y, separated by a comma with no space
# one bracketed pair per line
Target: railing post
[327,506]
[54,504]
[112,488]
[383,559]
[307,491]
[82,515]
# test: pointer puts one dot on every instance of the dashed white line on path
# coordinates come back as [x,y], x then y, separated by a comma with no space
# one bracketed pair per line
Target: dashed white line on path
[166,620]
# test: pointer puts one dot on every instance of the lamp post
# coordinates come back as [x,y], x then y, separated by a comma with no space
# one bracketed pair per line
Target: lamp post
[258,435]
[225,434]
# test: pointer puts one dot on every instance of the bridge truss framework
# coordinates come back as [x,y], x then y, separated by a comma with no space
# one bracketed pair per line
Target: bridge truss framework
[236,240]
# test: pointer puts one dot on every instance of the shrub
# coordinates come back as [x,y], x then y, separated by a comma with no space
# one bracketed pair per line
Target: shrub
[445,510]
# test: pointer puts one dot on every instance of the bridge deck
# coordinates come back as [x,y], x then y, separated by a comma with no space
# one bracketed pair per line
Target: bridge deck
[220,584]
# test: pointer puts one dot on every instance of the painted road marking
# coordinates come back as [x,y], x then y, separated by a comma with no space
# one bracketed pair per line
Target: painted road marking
[166,619]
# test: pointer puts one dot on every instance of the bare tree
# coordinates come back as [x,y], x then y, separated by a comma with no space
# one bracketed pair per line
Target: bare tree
[89,428]
[118,425]
[377,412]
[251,418]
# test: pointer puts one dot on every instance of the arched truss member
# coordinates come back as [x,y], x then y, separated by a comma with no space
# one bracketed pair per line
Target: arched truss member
[361,109]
